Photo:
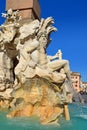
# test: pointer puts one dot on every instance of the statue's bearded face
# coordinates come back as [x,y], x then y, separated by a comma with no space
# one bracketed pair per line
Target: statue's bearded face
[43,40]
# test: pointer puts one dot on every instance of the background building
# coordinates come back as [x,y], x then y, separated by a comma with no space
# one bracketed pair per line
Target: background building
[83,88]
[76,77]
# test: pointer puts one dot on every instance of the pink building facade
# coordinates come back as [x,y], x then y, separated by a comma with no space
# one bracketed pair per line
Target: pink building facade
[76,77]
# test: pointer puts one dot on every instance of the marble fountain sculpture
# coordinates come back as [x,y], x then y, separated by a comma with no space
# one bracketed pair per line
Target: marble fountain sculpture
[32,82]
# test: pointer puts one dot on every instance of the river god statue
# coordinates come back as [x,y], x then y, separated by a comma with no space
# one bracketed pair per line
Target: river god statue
[32,82]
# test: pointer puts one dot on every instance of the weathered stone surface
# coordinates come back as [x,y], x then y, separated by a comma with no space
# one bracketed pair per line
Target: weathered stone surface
[37,97]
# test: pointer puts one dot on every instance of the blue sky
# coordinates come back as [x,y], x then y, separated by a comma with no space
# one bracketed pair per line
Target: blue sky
[70,18]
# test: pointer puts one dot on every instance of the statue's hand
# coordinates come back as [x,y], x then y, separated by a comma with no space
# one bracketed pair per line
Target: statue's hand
[57,54]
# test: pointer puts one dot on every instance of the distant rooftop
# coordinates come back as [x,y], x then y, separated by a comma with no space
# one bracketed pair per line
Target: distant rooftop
[84,82]
[75,73]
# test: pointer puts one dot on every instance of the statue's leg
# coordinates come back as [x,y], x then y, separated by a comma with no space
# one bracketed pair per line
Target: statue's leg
[58,64]
[54,76]
[42,72]
[58,77]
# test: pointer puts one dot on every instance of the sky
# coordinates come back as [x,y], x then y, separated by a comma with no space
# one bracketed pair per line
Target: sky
[70,18]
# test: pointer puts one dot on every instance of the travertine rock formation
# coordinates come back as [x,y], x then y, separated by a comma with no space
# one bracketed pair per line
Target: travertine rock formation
[31,82]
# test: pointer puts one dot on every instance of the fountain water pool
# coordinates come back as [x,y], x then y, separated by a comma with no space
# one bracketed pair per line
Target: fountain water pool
[78,113]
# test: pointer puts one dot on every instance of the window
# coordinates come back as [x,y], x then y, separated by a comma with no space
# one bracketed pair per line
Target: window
[76,85]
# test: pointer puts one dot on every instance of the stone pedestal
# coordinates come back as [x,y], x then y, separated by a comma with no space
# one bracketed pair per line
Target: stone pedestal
[28,9]
[37,97]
